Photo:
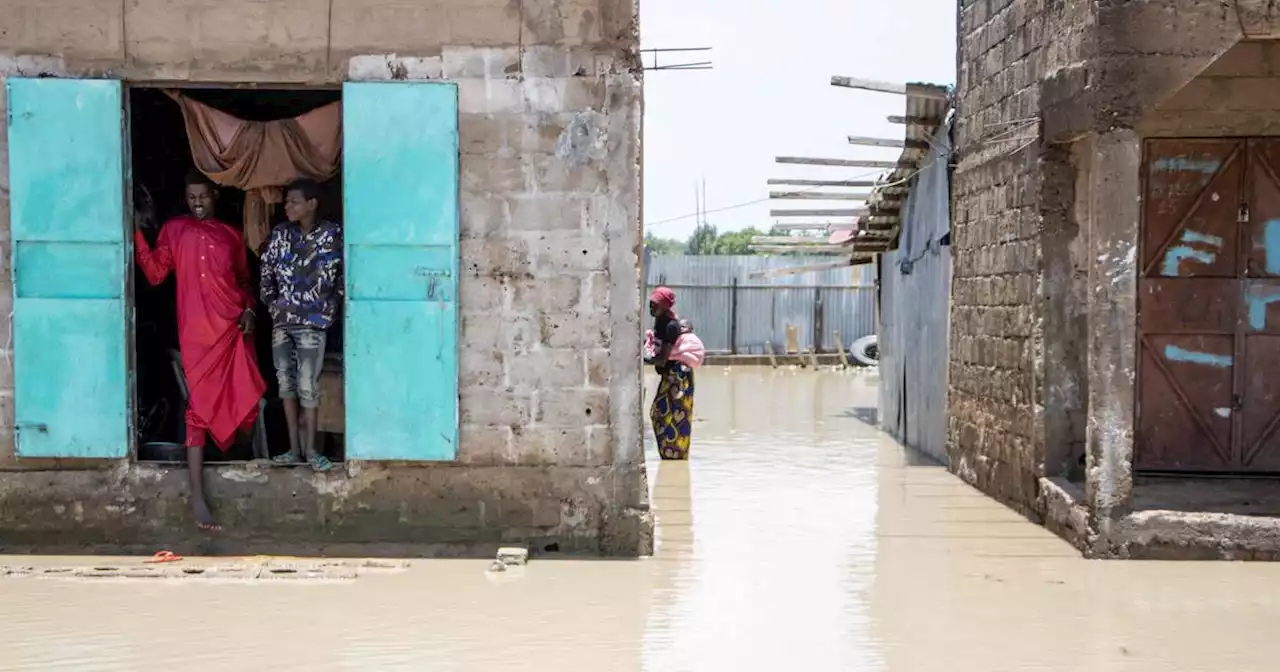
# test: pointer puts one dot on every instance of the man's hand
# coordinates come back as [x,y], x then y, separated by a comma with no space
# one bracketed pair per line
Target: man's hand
[246,322]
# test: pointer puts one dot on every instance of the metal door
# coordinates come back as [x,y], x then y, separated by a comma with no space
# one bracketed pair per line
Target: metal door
[67,231]
[400,183]
[1207,328]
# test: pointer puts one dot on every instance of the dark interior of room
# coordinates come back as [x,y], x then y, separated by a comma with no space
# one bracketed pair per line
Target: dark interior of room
[161,158]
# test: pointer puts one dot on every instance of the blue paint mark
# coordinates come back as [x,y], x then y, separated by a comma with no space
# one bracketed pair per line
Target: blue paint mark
[1175,354]
[1271,245]
[1189,236]
[1185,164]
[1176,254]
[1258,298]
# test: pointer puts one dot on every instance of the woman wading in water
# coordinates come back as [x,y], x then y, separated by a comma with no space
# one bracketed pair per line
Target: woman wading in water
[675,352]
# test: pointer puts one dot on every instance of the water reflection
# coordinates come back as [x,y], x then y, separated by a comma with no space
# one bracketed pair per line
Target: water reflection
[796,538]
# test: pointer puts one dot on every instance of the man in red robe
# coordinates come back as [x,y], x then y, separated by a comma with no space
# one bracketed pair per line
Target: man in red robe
[215,320]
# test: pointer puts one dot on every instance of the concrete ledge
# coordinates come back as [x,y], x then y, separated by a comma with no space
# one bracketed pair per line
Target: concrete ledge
[1065,513]
[364,510]
[1179,535]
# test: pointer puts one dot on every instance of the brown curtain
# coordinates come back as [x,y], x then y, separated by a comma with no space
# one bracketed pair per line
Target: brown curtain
[261,157]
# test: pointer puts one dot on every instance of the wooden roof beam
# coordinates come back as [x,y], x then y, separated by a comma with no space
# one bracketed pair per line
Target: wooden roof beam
[915,121]
[829,212]
[820,195]
[806,249]
[798,241]
[847,163]
[922,91]
[822,183]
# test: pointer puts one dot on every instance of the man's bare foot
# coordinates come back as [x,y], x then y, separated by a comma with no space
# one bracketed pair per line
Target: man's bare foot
[204,521]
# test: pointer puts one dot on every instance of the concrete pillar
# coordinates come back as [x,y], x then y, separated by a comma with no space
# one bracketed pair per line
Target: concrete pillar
[1114,215]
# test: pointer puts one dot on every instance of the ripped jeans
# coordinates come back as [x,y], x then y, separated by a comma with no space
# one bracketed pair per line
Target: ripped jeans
[298,355]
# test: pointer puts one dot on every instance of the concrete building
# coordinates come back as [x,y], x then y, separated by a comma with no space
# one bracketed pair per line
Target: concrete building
[1115,270]
[526,424]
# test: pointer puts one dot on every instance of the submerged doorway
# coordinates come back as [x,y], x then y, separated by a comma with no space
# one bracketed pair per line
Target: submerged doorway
[161,156]
[1208,290]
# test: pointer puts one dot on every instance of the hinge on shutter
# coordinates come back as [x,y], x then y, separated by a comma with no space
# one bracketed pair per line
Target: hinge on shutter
[1243,216]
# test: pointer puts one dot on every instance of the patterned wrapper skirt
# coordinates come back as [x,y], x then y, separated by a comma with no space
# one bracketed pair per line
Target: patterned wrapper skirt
[672,412]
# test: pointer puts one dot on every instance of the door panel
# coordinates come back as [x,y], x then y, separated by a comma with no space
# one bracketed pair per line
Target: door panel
[400,182]
[66,169]
[1193,196]
[1186,402]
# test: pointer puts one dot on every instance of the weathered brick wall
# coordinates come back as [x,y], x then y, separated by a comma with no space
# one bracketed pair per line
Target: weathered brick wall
[549,113]
[995,434]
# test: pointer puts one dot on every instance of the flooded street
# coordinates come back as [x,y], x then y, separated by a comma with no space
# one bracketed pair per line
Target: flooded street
[797,537]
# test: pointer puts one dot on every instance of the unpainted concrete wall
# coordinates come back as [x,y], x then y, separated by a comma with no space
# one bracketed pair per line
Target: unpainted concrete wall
[550,105]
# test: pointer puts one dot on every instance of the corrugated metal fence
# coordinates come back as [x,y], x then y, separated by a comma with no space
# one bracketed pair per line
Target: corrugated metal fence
[734,312]
[915,312]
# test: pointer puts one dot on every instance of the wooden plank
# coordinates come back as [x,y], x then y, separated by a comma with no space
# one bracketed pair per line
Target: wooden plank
[820,195]
[848,163]
[812,226]
[796,270]
[916,90]
[788,240]
[915,121]
[806,249]
[822,182]
[868,84]
[876,142]
[833,212]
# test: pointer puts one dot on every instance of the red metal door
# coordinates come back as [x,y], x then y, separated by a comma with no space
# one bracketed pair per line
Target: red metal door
[1209,307]
[1259,347]
[1188,305]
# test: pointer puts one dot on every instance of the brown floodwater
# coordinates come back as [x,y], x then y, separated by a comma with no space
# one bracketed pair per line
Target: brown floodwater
[797,538]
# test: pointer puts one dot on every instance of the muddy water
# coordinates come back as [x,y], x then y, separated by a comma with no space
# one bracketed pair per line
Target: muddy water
[797,538]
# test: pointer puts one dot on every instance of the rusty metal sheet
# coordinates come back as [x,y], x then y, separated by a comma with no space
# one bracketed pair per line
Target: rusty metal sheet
[1262,253]
[1188,305]
[1186,402]
[1191,203]
[1209,307]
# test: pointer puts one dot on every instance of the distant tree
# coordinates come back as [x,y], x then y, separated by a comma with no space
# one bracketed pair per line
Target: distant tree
[703,240]
[663,245]
[737,242]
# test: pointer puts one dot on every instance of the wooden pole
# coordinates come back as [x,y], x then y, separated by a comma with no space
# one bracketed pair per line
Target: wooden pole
[820,195]
[733,317]
[822,183]
[875,142]
[844,357]
[847,163]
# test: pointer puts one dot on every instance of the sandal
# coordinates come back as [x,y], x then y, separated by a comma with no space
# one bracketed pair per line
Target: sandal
[320,463]
[286,458]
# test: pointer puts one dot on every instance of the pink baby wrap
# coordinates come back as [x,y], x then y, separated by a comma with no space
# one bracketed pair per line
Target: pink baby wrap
[688,349]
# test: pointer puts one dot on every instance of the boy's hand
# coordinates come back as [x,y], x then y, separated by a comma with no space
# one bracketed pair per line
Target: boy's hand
[246,322]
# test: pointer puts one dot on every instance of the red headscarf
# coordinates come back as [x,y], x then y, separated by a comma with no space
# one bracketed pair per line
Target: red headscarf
[664,298]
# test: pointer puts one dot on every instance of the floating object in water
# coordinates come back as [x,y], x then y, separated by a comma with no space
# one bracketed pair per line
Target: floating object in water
[497,566]
[513,555]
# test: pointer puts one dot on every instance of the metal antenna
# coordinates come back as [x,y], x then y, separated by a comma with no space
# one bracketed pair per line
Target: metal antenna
[695,65]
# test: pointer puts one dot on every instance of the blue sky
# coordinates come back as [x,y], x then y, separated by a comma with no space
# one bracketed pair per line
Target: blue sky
[770,95]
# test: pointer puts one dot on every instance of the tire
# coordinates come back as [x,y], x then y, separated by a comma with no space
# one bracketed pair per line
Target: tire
[866,350]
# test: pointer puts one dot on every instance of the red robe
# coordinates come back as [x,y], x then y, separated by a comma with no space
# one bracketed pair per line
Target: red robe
[223,381]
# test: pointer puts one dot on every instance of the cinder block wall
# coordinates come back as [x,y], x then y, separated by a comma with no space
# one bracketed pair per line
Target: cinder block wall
[550,106]
[997,337]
